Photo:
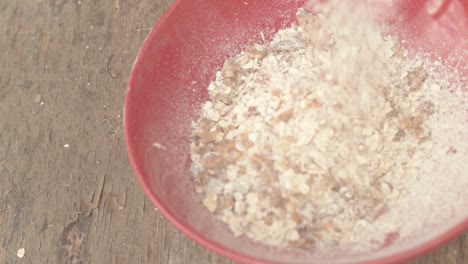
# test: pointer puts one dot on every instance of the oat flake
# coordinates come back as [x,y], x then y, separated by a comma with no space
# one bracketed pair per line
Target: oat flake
[20,253]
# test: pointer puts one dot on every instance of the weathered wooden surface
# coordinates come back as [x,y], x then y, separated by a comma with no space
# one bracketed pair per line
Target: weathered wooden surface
[67,192]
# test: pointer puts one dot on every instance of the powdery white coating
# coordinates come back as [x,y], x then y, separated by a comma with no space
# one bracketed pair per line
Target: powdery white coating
[331,135]
[439,194]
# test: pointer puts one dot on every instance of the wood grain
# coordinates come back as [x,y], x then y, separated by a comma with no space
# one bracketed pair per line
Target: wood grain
[67,192]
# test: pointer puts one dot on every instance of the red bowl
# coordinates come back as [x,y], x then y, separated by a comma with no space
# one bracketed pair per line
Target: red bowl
[169,83]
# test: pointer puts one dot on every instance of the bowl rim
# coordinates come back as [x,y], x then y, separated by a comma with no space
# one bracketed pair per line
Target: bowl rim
[403,256]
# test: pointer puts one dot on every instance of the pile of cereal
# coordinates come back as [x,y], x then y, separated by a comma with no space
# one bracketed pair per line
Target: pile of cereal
[309,139]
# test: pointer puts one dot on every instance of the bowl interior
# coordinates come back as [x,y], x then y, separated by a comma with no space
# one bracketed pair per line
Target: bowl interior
[168,85]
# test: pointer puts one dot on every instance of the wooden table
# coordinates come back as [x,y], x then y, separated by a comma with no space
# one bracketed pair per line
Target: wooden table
[67,192]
